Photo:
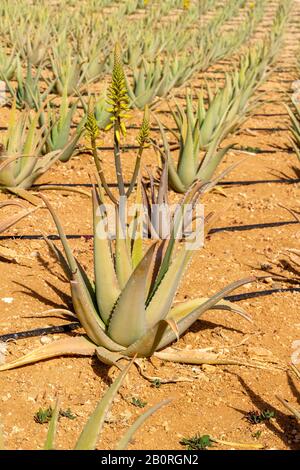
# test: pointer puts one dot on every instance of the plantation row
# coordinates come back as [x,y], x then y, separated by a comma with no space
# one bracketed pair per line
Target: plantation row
[76,80]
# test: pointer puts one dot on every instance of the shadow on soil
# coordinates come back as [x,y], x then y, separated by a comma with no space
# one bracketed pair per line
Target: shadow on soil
[285,422]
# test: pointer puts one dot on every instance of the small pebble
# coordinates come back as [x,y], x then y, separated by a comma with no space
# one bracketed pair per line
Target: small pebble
[45,340]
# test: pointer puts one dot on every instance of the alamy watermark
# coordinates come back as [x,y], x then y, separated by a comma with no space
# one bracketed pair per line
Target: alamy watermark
[157,222]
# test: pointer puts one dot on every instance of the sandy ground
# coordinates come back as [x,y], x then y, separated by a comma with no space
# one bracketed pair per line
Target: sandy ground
[216,399]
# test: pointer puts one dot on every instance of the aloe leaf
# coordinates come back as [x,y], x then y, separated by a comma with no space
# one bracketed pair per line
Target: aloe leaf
[81,291]
[68,150]
[37,167]
[74,346]
[89,318]
[137,233]
[122,256]
[108,357]
[186,165]
[210,163]
[10,221]
[62,235]
[183,309]
[195,314]
[174,178]
[125,440]
[107,288]
[127,322]
[163,297]
[90,434]
[50,440]
[147,344]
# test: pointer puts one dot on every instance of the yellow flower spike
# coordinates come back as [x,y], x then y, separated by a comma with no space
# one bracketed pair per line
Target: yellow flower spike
[91,126]
[143,137]
[118,99]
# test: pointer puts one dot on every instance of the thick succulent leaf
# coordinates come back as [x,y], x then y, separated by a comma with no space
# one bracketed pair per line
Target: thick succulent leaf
[194,315]
[179,311]
[24,194]
[75,346]
[40,167]
[174,178]
[147,344]
[80,290]
[10,221]
[202,356]
[186,164]
[89,318]
[90,434]
[125,440]
[68,149]
[188,356]
[107,288]
[189,198]
[137,228]
[122,255]
[162,299]
[50,440]
[289,407]
[210,163]
[108,357]
[128,322]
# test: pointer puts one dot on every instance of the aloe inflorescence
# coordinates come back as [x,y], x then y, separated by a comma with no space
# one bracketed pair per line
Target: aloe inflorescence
[118,108]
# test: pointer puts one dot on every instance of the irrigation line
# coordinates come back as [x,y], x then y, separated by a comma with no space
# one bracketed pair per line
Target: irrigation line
[40,331]
[233,228]
[50,330]
[242,228]
[263,293]
[175,145]
[221,183]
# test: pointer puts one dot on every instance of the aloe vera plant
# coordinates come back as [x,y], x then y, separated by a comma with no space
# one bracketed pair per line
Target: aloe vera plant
[147,80]
[28,92]
[21,163]
[190,168]
[89,437]
[57,124]
[33,44]
[204,129]
[128,311]
[68,73]
[295,127]
[8,64]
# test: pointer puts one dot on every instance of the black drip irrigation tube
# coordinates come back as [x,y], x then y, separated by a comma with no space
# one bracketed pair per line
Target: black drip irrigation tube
[221,183]
[40,332]
[233,228]
[50,330]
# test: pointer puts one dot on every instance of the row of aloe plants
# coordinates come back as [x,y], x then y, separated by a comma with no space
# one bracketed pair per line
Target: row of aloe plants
[126,277]
[35,141]
[156,66]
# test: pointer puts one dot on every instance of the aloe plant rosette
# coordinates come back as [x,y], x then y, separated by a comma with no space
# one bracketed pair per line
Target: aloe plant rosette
[128,311]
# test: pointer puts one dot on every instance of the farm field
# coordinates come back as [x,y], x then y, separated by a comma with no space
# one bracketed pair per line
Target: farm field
[212,85]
